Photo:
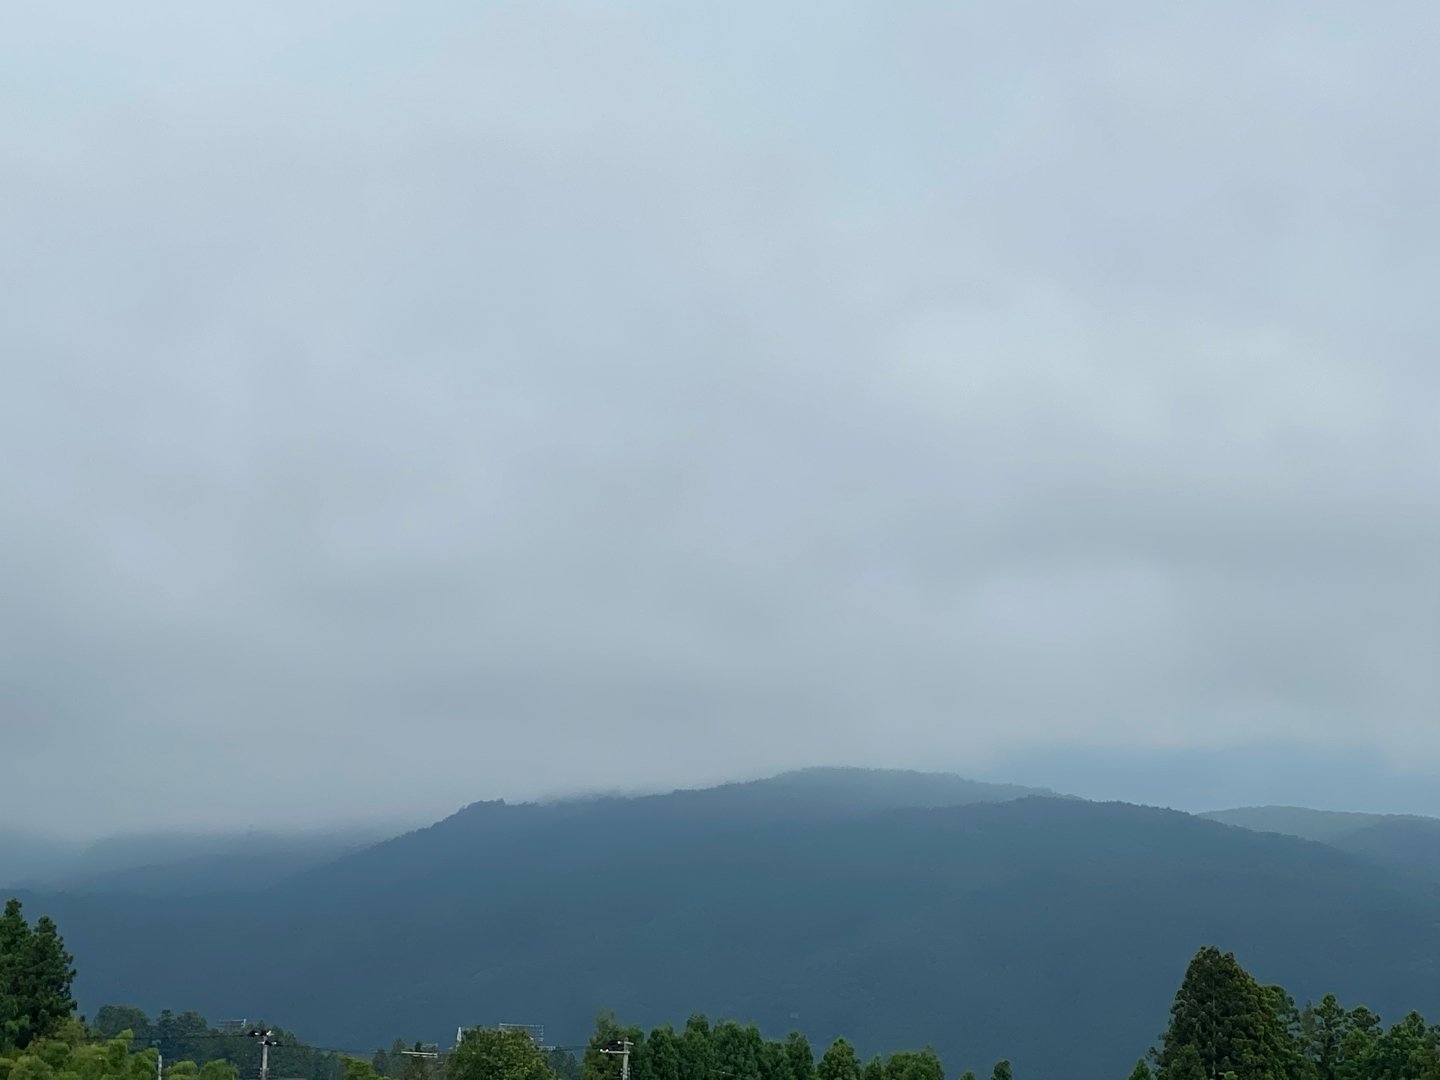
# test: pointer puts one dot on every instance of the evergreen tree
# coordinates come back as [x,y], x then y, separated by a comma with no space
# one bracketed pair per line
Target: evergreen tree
[1186,1065]
[1323,1029]
[1284,1044]
[661,1055]
[1001,1071]
[697,1051]
[14,944]
[35,978]
[800,1056]
[874,1069]
[839,1062]
[1407,1051]
[774,1064]
[1232,1024]
[1141,1070]
[1360,1048]
[737,1050]
[914,1065]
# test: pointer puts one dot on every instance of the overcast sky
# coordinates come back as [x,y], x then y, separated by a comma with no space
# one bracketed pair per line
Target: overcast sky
[408,404]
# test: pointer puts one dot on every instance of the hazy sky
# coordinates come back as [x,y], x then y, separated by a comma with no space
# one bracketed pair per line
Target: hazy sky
[407,404]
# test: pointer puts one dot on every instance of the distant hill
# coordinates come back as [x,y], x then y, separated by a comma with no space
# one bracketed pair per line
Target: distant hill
[31,857]
[1259,773]
[171,863]
[1049,930]
[1406,843]
[1325,826]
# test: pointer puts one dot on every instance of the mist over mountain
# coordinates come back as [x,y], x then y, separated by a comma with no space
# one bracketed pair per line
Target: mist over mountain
[168,862]
[1198,779]
[27,857]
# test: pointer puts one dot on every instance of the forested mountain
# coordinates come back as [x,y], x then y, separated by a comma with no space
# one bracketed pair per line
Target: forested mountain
[811,900]
[1403,842]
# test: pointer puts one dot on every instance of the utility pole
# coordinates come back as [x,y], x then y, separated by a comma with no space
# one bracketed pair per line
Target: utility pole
[159,1065]
[267,1040]
[429,1052]
[623,1048]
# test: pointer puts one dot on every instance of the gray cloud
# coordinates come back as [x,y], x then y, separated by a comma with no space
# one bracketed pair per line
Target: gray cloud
[408,408]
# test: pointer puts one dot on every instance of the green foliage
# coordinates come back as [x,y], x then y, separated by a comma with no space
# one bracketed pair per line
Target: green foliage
[112,1020]
[355,1069]
[35,980]
[914,1065]
[218,1055]
[492,1054]
[1232,1025]
[1223,1025]
[217,1069]
[658,1056]
[737,1050]
[839,1062]
[1324,1029]
[1185,1064]
[600,1062]
[564,1064]
[68,1059]
[697,1055]
[799,1056]
[774,1065]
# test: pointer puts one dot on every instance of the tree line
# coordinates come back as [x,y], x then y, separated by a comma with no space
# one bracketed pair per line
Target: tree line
[41,1038]
[1224,1025]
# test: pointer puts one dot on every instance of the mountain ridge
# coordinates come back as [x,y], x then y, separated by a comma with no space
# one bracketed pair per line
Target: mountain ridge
[785,903]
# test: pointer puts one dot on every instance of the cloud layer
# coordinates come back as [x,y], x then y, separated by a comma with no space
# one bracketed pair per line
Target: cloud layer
[404,408]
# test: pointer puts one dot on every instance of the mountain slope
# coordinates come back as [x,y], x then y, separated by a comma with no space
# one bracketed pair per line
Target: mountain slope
[1406,843]
[1324,826]
[568,829]
[29,857]
[1050,931]
[167,863]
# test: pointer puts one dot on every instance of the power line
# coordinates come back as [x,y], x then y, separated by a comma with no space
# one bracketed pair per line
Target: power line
[239,1038]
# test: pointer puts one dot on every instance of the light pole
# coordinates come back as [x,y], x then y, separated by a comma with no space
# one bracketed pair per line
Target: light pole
[267,1040]
[623,1048]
